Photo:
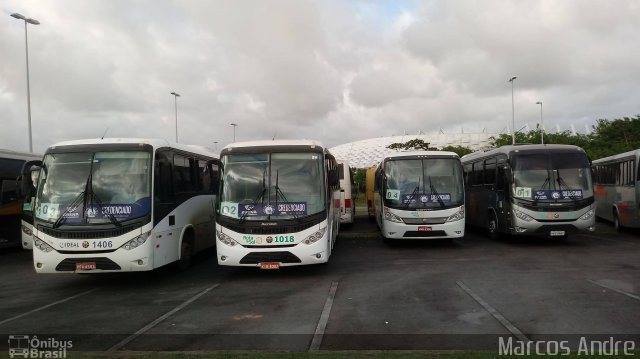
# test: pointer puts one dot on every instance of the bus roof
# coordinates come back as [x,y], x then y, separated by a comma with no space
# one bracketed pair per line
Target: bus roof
[509,149]
[19,155]
[632,153]
[154,142]
[414,153]
[268,145]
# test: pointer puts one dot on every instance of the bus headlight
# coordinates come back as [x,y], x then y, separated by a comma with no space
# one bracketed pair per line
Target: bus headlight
[523,216]
[391,217]
[26,230]
[225,239]
[138,241]
[313,238]
[457,216]
[587,215]
[40,244]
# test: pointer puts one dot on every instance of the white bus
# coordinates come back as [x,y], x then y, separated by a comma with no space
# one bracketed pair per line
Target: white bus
[278,204]
[12,197]
[117,205]
[537,190]
[420,194]
[347,202]
[617,189]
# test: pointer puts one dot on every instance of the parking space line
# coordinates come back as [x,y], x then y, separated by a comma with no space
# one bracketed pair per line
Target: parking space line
[499,317]
[48,305]
[614,289]
[133,336]
[324,318]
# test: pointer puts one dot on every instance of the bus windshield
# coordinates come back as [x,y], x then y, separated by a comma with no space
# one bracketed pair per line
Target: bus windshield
[272,186]
[551,177]
[434,183]
[94,187]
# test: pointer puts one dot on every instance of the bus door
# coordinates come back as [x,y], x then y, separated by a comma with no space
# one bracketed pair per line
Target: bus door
[503,179]
[27,182]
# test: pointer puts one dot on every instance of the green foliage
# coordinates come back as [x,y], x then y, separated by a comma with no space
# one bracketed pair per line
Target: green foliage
[610,137]
[415,144]
[360,179]
[460,150]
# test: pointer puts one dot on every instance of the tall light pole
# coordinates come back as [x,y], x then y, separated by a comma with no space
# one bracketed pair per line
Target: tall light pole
[26,46]
[541,122]
[234,130]
[175,97]
[513,113]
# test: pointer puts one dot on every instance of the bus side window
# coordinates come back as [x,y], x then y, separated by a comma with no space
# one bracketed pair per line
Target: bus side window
[163,184]
[490,173]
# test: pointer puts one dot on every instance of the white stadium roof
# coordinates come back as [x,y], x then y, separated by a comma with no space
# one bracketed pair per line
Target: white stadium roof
[367,153]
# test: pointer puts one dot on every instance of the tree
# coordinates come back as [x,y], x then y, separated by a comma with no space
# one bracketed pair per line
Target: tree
[415,144]
[460,150]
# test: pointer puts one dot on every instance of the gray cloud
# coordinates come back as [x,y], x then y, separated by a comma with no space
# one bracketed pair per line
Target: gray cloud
[329,70]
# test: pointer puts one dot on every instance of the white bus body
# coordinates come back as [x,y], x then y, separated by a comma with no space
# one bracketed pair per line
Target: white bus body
[347,202]
[420,194]
[617,189]
[277,204]
[117,205]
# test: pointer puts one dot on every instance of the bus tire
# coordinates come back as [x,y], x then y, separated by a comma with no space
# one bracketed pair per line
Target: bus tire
[492,227]
[186,252]
[616,221]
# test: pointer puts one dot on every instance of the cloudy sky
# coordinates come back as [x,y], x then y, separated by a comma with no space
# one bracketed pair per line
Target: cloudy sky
[335,71]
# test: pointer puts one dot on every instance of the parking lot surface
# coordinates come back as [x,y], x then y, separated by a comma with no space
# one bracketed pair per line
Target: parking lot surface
[460,294]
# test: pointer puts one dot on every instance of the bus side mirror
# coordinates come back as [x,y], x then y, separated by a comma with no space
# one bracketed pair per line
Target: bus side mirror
[35,175]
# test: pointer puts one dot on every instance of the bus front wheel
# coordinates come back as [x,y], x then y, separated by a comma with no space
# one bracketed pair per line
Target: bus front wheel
[186,252]
[492,227]
[616,222]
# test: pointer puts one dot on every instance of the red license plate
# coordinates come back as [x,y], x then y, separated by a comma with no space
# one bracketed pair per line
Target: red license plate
[425,228]
[269,265]
[85,265]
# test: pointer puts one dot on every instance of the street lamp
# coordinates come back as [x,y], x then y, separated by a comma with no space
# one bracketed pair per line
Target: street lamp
[234,131]
[215,144]
[541,123]
[26,46]
[175,97]
[513,113]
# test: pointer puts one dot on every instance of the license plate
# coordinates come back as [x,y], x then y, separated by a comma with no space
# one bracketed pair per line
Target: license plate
[85,265]
[269,265]
[557,233]
[425,229]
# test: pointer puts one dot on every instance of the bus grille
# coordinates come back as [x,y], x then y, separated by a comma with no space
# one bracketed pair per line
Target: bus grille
[87,234]
[415,221]
[69,264]
[259,257]
[424,234]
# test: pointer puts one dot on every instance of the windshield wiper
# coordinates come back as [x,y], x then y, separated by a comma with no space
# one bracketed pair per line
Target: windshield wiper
[259,197]
[546,182]
[413,194]
[433,191]
[92,195]
[279,191]
[561,182]
[72,206]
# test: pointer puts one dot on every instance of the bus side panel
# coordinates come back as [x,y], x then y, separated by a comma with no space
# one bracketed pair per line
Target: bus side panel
[197,213]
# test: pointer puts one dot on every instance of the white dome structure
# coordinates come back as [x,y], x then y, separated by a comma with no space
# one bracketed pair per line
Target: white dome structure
[367,153]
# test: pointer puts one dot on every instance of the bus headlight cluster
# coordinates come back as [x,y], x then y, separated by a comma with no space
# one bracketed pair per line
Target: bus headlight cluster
[26,230]
[315,236]
[40,244]
[587,215]
[391,217]
[523,216]
[136,242]
[225,239]
[457,216]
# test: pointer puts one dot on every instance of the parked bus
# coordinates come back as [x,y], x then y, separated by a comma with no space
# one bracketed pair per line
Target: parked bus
[278,204]
[347,199]
[420,194]
[117,205]
[617,189]
[370,179]
[543,190]
[27,182]
[11,195]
